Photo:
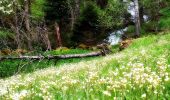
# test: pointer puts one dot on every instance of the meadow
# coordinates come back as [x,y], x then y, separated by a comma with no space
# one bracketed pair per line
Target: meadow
[140,72]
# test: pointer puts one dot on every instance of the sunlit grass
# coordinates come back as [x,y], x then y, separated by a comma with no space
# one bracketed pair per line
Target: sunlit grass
[139,72]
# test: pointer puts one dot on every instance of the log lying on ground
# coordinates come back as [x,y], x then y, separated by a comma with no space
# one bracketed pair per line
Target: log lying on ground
[99,53]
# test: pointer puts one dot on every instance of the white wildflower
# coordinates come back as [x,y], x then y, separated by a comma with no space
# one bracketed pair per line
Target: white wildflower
[166,78]
[143,95]
[107,93]
[64,88]
[155,92]
[115,73]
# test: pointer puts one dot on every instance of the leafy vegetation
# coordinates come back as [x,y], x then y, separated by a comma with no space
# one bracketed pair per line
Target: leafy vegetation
[37,9]
[139,72]
[5,33]
[165,20]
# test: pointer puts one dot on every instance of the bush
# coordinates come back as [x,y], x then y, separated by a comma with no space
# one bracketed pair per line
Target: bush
[150,26]
[87,26]
[37,10]
[5,38]
[164,22]
[5,33]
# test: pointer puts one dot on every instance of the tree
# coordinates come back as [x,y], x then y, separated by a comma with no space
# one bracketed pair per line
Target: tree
[6,7]
[58,12]
[137,18]
[113,15]
[9,10]
[58,35]
[97,20]
[27,4]
[74,10]
[152,10]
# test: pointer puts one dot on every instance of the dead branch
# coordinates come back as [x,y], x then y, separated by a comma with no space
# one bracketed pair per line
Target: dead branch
[49,57]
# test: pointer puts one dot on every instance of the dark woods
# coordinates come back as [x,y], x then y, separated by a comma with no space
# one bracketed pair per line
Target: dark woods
[49,24]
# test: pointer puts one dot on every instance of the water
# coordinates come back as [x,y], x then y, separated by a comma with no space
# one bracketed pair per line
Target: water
[115,37]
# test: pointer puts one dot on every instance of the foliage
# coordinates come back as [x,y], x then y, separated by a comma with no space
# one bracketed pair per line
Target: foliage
[112,16]
[57,10]
[6,6]
[5,37]
[4,33]
[37,9]
[87,25]
[150,26]
[130,29]
[164,22]
[95,22]
[156,11]
[85,21]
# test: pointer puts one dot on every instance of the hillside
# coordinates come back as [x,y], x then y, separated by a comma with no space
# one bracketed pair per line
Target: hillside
[141,71]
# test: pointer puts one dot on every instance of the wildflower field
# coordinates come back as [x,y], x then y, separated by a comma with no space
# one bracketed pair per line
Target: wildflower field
[140,72]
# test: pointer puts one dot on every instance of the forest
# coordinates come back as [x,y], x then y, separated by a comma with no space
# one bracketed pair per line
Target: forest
[84,49]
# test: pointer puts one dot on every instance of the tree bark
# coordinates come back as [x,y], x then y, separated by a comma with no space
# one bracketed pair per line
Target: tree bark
[27,23]
[72,18]
[141,14]
[77,8]
[74,7]
[99,53]
[47,41]
[15,28]
[17,32]
[137,18]
[58,35]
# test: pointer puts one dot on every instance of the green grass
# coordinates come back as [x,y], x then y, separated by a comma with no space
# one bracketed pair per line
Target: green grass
[66,51]
[12,67]
[140,72]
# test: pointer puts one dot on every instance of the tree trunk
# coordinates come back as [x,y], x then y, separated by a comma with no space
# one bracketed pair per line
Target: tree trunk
[72,18]
[141,14]
[27,23]
[77,8]
[98,53]
[58,35]
[137,18]
[48,44]
[18,41]
[15,28]
[74,7]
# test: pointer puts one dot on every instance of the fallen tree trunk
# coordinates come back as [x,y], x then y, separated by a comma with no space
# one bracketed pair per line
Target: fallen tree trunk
[53,57]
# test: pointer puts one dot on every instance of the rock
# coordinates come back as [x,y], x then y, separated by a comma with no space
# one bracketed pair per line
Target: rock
[62,49]
[124,44]
[83,46]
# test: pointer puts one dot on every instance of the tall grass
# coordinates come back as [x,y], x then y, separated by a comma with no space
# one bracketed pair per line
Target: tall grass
[140,72]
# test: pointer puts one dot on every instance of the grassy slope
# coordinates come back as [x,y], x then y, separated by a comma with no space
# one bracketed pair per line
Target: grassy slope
[139,72]
[27,66]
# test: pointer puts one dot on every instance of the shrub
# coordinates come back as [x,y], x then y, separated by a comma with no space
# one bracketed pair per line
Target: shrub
[164,22]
